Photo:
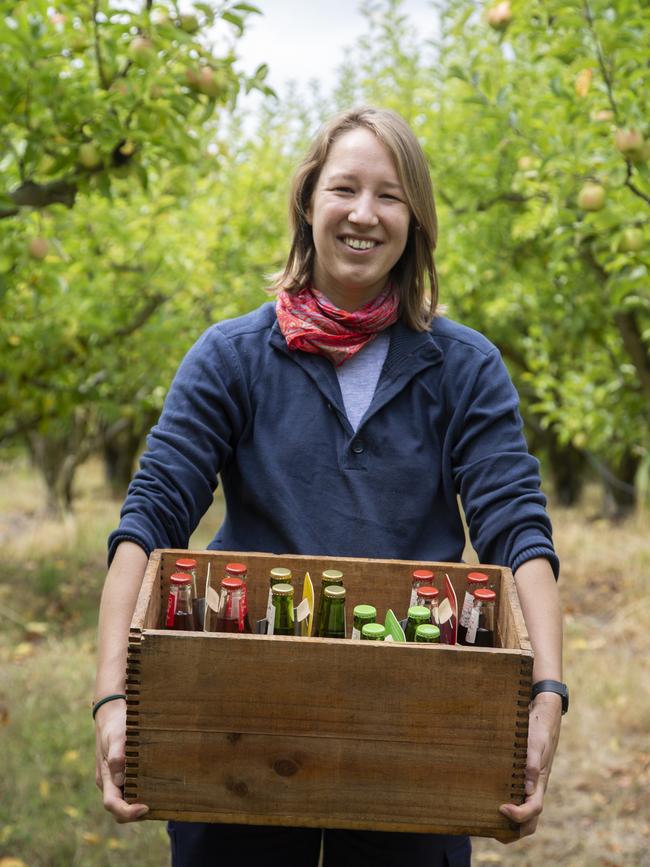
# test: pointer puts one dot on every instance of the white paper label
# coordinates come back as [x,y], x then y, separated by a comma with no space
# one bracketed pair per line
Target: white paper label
[388,637]
[356,635]
[472,626]
[467,609]
[270,622]
[302,611]
[269,607]
[414,597]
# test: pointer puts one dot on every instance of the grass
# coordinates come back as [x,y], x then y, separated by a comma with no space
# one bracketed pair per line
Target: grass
[597,812]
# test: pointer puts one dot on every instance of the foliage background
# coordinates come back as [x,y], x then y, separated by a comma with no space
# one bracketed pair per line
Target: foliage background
[140,201]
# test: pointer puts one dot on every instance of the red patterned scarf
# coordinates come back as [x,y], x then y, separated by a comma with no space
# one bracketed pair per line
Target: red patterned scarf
[309,321]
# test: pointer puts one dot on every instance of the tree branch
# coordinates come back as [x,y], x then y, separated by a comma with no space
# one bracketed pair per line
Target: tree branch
[103,78]
[507,197]
[629,330]
[33,195]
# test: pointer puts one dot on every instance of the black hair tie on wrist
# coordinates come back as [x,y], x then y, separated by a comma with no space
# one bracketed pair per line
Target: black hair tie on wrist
[106,699]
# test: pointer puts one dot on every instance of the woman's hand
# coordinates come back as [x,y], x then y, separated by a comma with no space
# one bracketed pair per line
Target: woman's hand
[543,735]
[110,728]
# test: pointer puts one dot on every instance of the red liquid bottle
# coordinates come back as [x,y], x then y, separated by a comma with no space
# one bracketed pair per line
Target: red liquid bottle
[239,570]
[480,630]
[474,581]
[180,613]
[231,615]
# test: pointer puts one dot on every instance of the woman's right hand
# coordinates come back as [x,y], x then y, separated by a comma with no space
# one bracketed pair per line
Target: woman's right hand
[110,730]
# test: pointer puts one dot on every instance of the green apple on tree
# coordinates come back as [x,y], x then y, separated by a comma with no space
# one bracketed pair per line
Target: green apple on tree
[142,50]
[631,240]
[188,23]
[89,156]
[211,83]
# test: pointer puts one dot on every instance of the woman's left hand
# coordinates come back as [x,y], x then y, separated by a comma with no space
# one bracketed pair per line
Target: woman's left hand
[543,735]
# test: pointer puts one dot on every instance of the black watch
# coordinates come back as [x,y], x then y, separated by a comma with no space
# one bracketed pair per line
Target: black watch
[552,686]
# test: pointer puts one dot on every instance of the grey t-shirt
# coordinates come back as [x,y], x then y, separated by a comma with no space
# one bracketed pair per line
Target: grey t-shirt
[358,377]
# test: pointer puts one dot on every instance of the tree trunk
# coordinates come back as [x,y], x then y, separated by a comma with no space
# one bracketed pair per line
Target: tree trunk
[56,456]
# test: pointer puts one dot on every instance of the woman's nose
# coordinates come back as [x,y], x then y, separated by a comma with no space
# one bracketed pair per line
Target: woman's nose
[363,212]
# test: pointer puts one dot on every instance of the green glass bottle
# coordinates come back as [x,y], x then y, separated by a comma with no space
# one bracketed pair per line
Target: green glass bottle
[373,632]
[362,614]
[333,618]
[283,621]
[329,578]
[279,575]
[427,633]
[417,614]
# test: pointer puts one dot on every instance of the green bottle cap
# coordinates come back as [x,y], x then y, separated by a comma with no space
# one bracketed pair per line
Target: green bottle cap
[419,613]
[335,592]
[332,576]
[365,612]
[282,590]
[373,632]
[427,632]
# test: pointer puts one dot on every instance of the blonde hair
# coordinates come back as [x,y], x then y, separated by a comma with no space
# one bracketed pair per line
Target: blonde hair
[414,275]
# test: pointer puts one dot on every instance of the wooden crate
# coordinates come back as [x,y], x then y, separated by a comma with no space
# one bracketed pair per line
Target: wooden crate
[327,733]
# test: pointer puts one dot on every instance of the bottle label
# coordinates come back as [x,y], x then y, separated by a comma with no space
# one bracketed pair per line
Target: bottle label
[171,610]
[468,601]
[356,635]
[270,620]
[269,609]
[472,626]
[414,597]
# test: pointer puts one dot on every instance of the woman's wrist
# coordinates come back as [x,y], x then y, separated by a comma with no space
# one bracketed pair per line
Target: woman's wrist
[102,701]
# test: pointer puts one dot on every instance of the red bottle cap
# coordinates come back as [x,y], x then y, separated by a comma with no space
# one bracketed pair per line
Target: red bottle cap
[428,592]
[180,578]
[477,578]
[484,594]
[185,564]
[232,583]
[422,575]
[236,569]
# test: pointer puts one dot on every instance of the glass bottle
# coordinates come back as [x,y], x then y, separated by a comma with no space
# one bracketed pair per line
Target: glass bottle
[474,580]
[231,615]
[417,614]
[190,567]
[239,570]
[278,575]
[282,621]
[480,630]
[333,616]
[428,597]
[419,578]
[329,578]
[427,633]
[373,632]
[180,614]
[362,614]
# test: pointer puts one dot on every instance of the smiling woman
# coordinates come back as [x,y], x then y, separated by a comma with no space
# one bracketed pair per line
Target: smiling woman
[344,419]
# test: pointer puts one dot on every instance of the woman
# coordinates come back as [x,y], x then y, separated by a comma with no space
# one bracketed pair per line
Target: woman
[344,419]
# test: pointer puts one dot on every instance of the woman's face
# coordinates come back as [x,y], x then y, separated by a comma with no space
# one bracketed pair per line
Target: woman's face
[360,219]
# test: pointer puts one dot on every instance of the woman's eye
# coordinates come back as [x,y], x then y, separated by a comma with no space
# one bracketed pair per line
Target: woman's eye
[342,189]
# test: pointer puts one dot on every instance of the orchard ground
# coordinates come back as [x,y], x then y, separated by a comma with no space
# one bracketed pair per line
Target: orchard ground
[597,812]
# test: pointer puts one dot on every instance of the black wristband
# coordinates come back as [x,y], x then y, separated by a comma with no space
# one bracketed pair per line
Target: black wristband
[555,686]
[106,699]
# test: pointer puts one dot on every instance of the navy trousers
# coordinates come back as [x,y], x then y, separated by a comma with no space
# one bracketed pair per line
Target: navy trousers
[196,844]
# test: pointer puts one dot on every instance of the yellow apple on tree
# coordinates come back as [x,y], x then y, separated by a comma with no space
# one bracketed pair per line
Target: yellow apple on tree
[38,248]
[629,142]
[591,197]
[499,16]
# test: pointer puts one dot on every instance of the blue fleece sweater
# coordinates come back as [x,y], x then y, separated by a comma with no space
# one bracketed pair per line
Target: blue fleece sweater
[443,422]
